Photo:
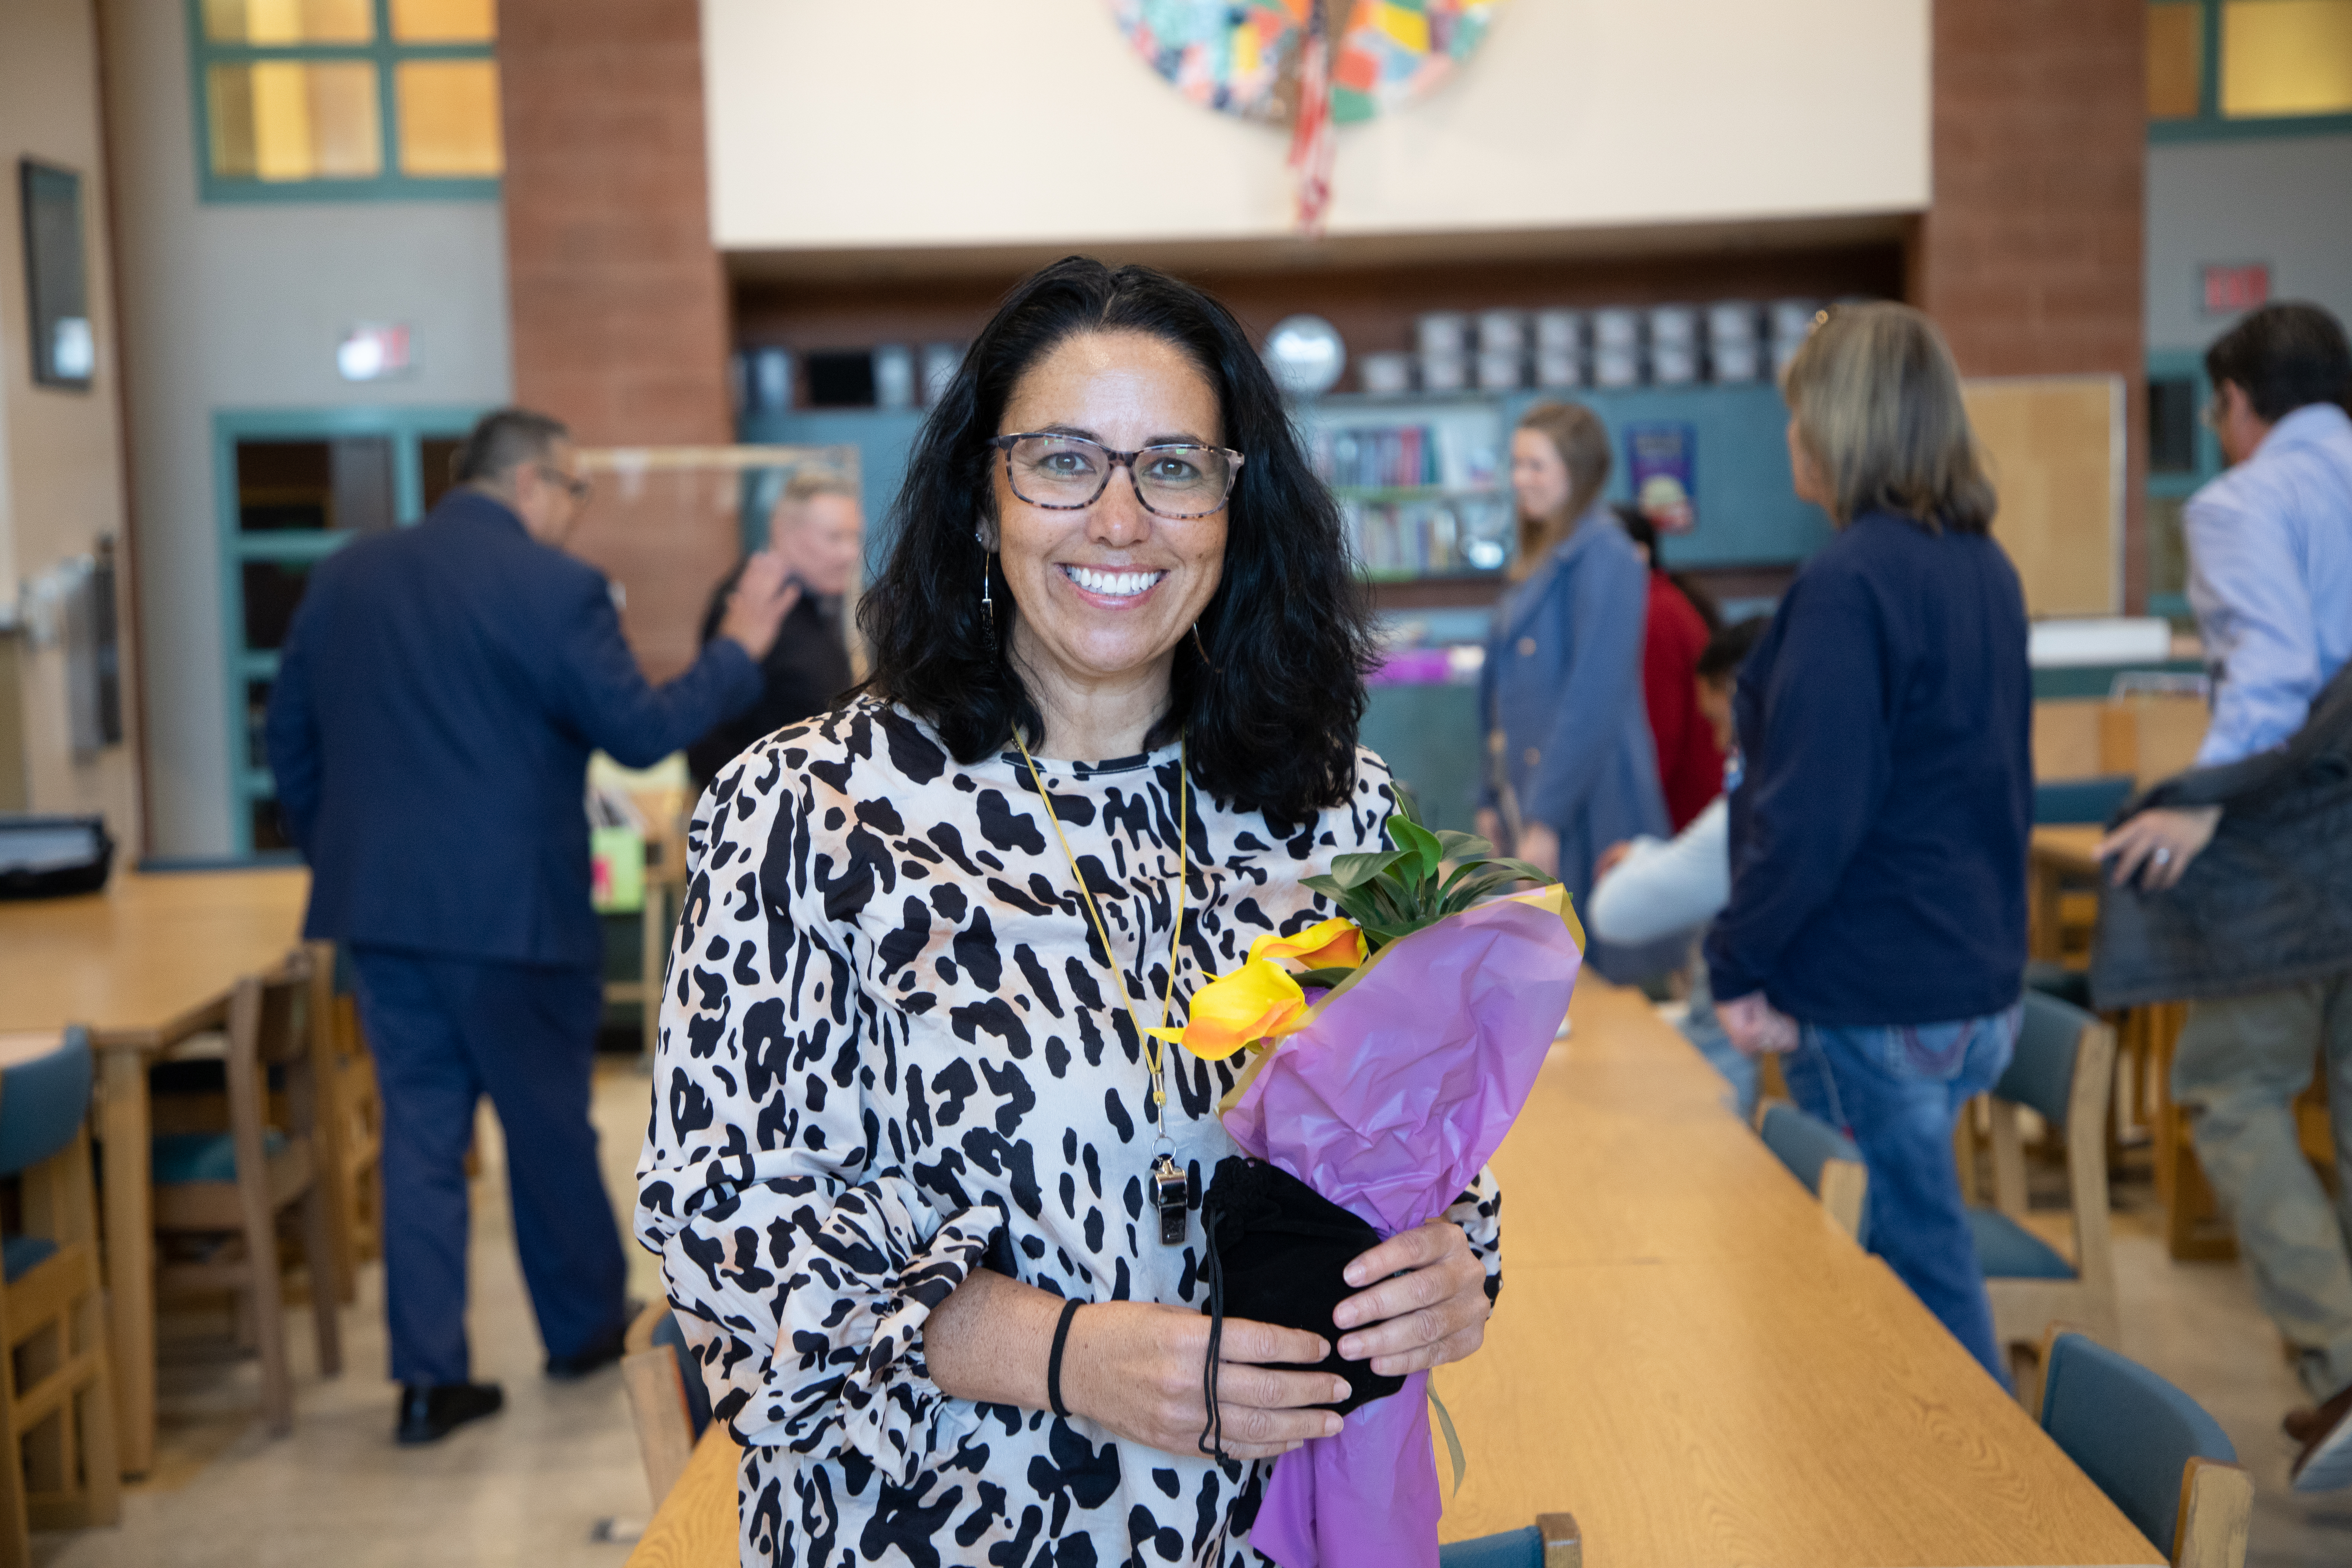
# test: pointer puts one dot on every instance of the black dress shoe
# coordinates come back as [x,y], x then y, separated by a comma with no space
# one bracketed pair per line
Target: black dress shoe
[430,1411]
[602,1353]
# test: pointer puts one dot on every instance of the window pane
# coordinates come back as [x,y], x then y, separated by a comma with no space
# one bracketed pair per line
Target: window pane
[272,589]
[2176,49]
[284,485]
[2167,551]
[289,21]
[289,120]
[2286,56]
[444,21]
[449,118]
[2172,426]
[438,456]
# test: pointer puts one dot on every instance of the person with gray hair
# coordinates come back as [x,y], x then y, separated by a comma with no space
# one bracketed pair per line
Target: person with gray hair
[439,693]
[818,532]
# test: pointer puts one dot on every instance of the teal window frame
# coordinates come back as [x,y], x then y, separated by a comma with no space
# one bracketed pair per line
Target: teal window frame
[389,184]
[2208,124]
[2183,364]
[408,428]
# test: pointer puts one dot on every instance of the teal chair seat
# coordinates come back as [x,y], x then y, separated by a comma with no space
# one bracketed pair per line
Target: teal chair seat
[20,1254]
[1505,1549]
[2007,1250]
[179,1158]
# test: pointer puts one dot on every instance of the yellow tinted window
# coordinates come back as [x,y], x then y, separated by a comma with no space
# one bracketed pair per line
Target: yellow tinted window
[289,21]
[2286,56]
[444,21]
[2175,48]
[287,119]
[449,119]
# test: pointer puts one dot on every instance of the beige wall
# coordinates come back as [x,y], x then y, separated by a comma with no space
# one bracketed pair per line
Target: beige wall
[61,451]
[1575,113]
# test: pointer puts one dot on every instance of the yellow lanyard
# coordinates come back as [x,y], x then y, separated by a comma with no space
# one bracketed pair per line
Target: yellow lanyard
[1183,869]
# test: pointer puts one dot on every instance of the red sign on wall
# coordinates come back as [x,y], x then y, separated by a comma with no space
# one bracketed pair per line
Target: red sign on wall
[2230,289]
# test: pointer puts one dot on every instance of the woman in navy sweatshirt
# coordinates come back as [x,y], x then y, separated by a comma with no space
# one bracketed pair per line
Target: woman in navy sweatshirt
[1876,927]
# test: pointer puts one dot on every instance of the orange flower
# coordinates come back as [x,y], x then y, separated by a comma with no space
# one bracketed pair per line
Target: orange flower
[1259,1001]
[1336,944]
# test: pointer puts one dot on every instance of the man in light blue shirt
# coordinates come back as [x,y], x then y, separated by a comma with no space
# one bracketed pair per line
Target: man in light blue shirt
[2270,548]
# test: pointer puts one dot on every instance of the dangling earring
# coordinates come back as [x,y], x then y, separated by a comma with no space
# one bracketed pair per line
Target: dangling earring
[987,602]
[1214,668]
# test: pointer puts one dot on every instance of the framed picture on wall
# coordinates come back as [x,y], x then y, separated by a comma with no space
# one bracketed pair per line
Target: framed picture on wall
[57,277]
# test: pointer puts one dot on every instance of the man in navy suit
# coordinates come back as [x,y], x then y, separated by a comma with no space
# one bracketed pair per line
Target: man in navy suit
[439,693]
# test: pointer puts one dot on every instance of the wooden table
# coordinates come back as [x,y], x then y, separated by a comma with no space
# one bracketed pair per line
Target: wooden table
[144,964]
[1689,1356]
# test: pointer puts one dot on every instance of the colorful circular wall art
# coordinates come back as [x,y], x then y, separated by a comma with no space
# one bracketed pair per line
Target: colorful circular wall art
[1242,55]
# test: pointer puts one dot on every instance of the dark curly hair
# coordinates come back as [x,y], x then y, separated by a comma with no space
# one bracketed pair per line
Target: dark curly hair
[1270,713]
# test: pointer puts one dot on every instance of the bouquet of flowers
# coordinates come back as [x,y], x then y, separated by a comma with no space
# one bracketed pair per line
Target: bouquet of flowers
[1388,1068]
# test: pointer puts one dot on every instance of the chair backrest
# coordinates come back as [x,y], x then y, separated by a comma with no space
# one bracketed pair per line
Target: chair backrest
[1822,1158]
[2131,1432]
[43,1102]
[1521,1548]
[280,1011]
[2041,1075]
[697,1395]
[2090,801]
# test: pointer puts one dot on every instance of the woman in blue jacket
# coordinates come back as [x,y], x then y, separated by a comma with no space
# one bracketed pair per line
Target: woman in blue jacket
[1570,768]
[1876,927]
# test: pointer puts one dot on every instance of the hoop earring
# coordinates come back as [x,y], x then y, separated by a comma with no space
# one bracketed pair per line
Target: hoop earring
[1214,668]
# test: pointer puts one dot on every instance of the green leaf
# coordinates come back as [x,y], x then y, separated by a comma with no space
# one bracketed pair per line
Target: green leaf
[1420,842]
[1325,978]
[1355,871]
[1407,803]
[1465,845]
[1328,886]
[1526,872]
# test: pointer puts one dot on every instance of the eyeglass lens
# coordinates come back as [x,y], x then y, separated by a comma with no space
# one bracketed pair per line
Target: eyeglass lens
[1071,471]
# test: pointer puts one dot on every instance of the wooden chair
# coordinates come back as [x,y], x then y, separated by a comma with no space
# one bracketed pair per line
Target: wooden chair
[2062,1071]
[57,1393]
[351,1122]
[227,1190]
[666,1398]
[2151,1448]
[1822,1158]
[1554,1540]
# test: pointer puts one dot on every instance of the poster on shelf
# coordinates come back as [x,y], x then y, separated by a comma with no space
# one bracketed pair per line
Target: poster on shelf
[1662,459]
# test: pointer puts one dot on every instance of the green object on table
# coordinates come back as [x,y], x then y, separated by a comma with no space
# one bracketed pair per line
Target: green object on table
[616,857]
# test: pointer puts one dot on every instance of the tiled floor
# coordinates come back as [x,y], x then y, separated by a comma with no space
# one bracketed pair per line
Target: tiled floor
[531,1485]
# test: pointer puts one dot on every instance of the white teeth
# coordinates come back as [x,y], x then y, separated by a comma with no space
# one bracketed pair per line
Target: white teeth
[1112,584]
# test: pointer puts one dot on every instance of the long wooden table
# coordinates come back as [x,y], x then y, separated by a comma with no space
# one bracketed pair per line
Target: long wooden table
[144,964]
[1689,1356]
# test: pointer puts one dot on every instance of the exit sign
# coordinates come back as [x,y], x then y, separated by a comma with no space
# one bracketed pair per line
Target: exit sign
[2228,290]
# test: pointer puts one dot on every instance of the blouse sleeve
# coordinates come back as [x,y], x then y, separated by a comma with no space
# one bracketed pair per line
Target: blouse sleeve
[1479,1212]
[801,1257]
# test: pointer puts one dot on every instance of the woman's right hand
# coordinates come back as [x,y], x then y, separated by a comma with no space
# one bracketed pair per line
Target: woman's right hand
[1135,1368]
[1488,826]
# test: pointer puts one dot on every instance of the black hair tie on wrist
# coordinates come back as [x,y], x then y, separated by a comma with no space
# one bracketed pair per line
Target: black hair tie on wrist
[1054,1362]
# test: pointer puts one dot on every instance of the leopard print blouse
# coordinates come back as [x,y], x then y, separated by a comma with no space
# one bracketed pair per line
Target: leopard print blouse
[890,1055]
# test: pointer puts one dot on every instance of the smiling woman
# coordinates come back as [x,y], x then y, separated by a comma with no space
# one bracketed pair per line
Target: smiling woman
[922,1179]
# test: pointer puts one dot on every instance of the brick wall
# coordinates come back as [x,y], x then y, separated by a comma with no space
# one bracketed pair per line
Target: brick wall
[2029,257]
[618,302]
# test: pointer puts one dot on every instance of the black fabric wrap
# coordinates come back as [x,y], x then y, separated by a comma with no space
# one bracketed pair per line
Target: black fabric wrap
[1277,1250]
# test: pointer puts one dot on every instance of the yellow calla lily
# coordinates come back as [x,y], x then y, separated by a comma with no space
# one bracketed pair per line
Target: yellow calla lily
[1335,943]
[1259,1001]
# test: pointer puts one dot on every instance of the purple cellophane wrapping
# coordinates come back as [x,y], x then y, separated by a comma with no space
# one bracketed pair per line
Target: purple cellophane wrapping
[1390,1103]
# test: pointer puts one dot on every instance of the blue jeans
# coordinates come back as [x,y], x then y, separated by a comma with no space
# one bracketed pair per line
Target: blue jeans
[1897,1091]
[1700,1027]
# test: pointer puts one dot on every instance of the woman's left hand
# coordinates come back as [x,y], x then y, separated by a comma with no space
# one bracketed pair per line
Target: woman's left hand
[1434,1312]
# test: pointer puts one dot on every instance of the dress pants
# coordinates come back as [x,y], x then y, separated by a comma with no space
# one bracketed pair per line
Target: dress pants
[444,1031]
[2240,1064]
[1897,1090]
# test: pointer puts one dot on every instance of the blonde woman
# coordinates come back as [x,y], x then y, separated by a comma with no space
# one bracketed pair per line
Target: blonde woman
[1572,768]
[1876,927]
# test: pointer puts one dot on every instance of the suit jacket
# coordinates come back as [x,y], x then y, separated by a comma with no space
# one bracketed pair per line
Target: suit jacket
[437,700]
[1562,687]
[2268,903]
